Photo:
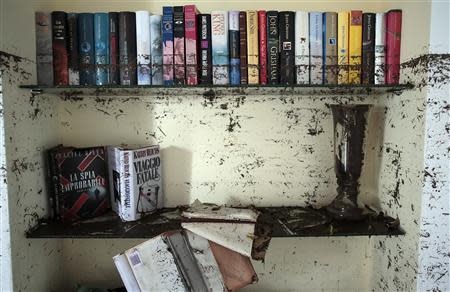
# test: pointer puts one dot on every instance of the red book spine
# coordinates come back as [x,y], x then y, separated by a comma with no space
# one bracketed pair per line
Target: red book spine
[59,45]
[192,51]
[262,23]
[393,40]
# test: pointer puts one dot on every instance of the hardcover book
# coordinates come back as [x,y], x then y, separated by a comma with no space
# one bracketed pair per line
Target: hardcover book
[191,44]
[135,181]
[302,47]
[167,39]
[44,51]
[101,39]
[355,46]
[287,47]
[368,49]
[235,61]
[380,47]
[114,48]
[252,47]
[393,42]
[316,47]
[156,53]
[204,22]
[273,46]
[127,48]
[262,23]
[343,27]
[330,58]
[143,47]
[243,46]
[178,45]
[72,48]
[220,47]
[86,48]
[59,44]
[79,182]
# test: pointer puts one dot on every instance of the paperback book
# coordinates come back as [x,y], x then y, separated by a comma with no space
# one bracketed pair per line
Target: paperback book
[330,58]
[355,47]
[220,47]
[316,47]
[60,55]
[86,47]
[156,53]
[143,47]
[252,47]
[72,48]
[114,48]
[243,46]
[380,47]
[302,47]
[204,23]
[44,52]
[178,45]
[191,44]
[167,46]
[235,61]
[127,48]
[273,49]
[101,39]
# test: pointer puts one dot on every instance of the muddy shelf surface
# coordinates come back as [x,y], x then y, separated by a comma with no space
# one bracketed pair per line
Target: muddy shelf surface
[283,221]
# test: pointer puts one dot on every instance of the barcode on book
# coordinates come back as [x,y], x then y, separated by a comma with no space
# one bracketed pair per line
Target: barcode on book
[135,259]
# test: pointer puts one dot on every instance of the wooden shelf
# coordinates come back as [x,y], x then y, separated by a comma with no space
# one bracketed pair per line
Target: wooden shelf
[284,221]
[211,91]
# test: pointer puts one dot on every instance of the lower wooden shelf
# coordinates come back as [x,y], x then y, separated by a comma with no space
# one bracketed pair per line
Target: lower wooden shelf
[284,222]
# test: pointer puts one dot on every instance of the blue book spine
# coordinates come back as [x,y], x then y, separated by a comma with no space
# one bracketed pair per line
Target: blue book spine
[220,47]
[235,60]
[101,39]
[86,48]
[316,47]
[167,40]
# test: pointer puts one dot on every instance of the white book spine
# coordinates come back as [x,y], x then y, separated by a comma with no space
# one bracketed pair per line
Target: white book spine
[220,47]
[316,49]
[128,210]
[302,47]
[143,47]
[126,274]
[156,50]
[380,47]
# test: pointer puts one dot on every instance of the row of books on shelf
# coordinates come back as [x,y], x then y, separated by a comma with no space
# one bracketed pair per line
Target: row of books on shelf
[222,48]
[87,182]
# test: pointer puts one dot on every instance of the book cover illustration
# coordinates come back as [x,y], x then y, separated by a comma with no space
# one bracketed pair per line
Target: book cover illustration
[44,51]
[143,47]
[114,47]
[82,182]
[380,47]
[273,47]
[127,48]
[355,47]
[167,39]
[204,23]
[302,47]
[72,48]
[178,45]
[220,49]
[343,27]
[252,47]
[101,40]
[191,44]
[262,23]
[60,55]
[156,54]
[316,47]
[235,61]
[86,48]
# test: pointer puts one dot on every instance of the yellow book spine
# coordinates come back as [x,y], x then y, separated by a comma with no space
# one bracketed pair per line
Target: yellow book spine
[355,46]
[252,47]
[343,47]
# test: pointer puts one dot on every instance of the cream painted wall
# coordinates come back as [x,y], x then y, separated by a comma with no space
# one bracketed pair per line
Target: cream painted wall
[268,159]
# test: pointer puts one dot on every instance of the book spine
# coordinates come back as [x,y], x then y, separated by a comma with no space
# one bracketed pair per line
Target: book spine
[252,47]
[178,45]
[191,43]
[127,48]
[380,47]
[167,39]
[204,23]
[354,47]
[86,48]
[59,44]
[330,58]
[101,39]
[114,178]
[127,201]
[143,47]
[343,27]
[156,50]
[315,45]
[220,47]
[114,48]
[72,48]
[273,46]
[302,47]
[235,61]
[368,49]
[52,181]
[44,51]
[262,24]
[287,47]
[393,42]
[243,46]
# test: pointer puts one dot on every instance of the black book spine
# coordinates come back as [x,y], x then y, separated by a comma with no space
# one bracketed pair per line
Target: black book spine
[243,46]
[368,49]
[51,184]
[59,44]
[72,48]
[287,49]
[273,47]
[114,47]
[204,30]
[178,45]
[127,48]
